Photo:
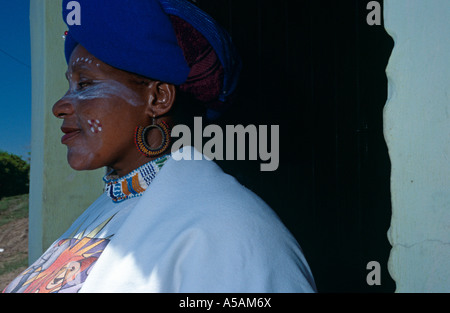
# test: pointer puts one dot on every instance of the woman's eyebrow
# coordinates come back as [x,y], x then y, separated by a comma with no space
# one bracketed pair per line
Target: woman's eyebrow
[80,68]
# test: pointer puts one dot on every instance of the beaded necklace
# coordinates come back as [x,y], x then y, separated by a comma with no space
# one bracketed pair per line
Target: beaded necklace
[135,183]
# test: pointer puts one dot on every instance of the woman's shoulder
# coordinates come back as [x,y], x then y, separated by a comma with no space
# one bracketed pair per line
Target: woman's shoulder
[196,195]
[202,189]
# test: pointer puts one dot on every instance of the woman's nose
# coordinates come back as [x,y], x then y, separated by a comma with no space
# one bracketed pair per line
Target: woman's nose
[63,107]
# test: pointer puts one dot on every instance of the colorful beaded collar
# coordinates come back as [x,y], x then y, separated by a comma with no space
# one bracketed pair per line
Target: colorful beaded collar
[135,183]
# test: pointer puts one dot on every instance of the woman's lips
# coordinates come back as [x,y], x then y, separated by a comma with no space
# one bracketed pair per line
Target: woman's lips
[69,134]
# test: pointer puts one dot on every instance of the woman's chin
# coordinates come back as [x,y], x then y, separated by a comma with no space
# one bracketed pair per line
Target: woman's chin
[80,162]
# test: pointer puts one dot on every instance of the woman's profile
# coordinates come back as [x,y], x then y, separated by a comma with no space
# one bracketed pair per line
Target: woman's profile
[135,70]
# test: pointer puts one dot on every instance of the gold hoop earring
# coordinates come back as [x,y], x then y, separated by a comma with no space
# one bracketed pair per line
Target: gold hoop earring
[141,139]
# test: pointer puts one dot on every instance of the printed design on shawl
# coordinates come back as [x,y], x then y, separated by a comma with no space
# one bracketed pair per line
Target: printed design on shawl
[65,266]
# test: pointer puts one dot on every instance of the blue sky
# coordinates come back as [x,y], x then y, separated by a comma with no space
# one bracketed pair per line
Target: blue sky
[15,86]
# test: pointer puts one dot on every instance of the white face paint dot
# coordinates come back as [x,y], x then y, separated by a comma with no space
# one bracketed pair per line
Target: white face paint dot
[96,126]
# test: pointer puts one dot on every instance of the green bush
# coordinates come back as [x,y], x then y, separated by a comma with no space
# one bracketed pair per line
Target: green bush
[14,175]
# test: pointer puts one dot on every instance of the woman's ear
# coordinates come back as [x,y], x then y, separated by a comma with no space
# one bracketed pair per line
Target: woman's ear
[160,98]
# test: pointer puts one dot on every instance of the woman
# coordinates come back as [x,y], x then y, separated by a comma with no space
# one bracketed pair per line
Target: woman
[162,225]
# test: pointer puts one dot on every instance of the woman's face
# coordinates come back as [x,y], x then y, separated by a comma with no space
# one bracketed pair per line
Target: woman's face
[100,113]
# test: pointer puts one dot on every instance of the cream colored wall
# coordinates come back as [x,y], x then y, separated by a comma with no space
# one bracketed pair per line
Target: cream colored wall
[417,131]
[58,194]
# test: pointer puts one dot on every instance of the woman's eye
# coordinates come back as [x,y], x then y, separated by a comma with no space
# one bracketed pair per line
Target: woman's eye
[83,84]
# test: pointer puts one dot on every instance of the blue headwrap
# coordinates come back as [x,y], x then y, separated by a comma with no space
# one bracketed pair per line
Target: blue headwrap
[138,36]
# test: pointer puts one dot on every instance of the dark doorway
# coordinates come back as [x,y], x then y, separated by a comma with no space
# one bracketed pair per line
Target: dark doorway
[317,69]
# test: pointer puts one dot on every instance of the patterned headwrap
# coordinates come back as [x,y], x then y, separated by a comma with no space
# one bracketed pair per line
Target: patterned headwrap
[168,40]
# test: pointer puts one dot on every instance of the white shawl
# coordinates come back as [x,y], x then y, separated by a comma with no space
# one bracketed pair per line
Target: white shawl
[196,229]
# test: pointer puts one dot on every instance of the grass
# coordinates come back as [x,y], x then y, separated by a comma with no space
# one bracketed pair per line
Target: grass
[12,208]
[20,262]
